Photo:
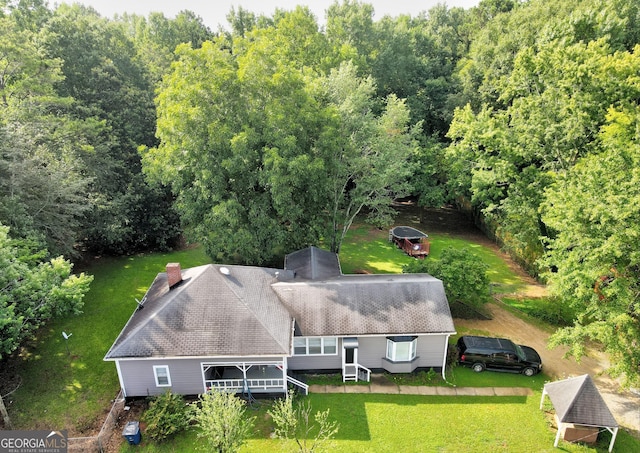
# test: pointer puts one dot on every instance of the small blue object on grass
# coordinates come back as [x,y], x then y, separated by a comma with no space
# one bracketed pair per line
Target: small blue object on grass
[131,432]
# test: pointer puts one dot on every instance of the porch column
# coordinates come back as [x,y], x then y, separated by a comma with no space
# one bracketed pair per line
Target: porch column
[284,375]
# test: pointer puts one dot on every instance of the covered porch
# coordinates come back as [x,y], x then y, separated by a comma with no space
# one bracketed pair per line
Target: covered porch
[248,377]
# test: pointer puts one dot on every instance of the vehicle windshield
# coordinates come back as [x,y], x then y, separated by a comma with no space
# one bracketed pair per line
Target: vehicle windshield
[520,352]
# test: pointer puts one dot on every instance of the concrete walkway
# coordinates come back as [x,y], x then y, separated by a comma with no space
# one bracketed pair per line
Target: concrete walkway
[381,385]
[423,390]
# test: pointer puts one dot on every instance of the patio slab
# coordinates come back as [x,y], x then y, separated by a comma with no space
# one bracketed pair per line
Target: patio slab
[512,391]
[382,388]
[427,390]
[446,391]
[334,388]
[357,389]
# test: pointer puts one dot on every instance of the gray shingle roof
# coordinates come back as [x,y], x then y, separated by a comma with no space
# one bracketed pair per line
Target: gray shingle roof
[248,311]
[368,304]
[313,263]
[577,400]
[208,314]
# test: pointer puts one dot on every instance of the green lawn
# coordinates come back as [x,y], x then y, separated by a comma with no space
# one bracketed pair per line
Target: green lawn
[457,376]
[368,249]
[411,423]
[73,391]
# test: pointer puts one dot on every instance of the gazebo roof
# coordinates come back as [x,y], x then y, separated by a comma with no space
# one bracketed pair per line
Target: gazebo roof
[577,400]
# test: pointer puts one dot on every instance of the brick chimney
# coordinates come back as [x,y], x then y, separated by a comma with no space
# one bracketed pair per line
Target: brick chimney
[174,274]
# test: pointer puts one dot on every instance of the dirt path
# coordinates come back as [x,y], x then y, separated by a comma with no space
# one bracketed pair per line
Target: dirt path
[625,406]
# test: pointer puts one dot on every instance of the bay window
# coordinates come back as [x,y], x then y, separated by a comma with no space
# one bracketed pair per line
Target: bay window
[401,349]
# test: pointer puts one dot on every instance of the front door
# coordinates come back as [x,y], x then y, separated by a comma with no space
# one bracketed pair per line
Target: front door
[349,359]
[350,355]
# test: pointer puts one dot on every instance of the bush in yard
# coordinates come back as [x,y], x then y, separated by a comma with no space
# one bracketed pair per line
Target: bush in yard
[293,421]
[222,421]
[463,274]
[168,414]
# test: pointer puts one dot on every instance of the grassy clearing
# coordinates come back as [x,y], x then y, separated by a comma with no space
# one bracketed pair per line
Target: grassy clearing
[73,391]
[368,249]
[546,309]
[412,423]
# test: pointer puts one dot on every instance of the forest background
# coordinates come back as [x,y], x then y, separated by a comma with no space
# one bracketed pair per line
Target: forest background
[136,133]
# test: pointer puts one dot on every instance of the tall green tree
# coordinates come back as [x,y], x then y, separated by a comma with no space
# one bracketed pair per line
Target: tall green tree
[556,99]
[156,37]
[240,146]
[370,159]
[350,29]
[594,257]
[111,88]
[43,191]
[463,274]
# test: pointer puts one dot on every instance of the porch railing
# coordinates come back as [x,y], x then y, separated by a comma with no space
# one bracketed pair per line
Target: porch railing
[298,383]
[355,372]
[364,373]
[239,384]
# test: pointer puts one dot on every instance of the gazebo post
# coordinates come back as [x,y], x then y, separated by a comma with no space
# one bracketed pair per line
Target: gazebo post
[613,438]
[544,392]
[555,444]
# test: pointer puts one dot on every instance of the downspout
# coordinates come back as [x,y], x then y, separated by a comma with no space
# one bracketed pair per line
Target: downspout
[285,362]
[444,359]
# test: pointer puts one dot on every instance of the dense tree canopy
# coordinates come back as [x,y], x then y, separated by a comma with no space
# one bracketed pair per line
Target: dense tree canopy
[277,133]
[545,151]
[594,255]
[264,157]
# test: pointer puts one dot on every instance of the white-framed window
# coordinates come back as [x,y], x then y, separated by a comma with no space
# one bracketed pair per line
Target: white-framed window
[161,373]
[401,349]
[315,346]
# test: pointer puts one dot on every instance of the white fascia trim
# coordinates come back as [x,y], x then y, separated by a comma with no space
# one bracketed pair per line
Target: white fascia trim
[408,334]
[124,390]
[199,357]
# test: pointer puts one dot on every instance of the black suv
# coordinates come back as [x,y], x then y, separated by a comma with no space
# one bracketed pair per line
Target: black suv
[498,354]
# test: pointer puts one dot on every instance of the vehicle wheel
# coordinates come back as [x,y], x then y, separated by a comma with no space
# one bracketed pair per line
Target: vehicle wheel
[529,371]
[478,367]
